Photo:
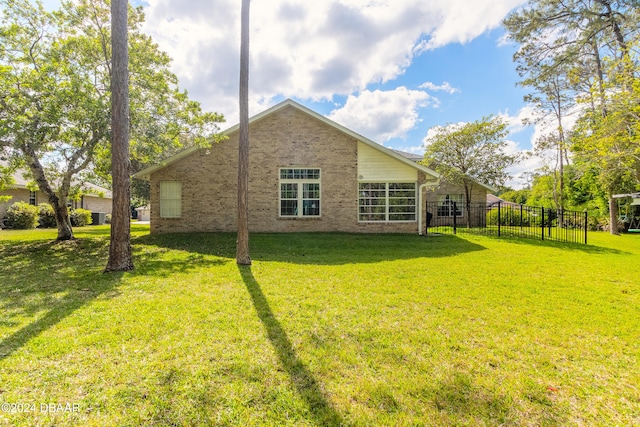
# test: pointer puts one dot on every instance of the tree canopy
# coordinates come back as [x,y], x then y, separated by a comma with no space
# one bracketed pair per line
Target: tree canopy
[582,55]
[471,152]
[55,94]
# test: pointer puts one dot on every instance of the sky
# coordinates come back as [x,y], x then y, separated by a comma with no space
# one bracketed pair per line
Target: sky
[391,70]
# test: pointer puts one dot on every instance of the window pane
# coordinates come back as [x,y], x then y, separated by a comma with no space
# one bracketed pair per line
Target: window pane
[402,217]
[311,191]
[170,199]
[446,203]
[289,207]
[311,207]
[288,191]
[398,209]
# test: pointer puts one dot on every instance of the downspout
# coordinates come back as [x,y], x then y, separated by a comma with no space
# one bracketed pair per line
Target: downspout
[420,199]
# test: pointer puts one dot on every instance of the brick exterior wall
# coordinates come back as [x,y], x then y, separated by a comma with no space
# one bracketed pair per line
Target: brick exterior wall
[286,138]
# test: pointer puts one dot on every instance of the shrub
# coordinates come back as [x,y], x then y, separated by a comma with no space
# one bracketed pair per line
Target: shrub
[80,217]
[46,216]
[107,219]
[22,216]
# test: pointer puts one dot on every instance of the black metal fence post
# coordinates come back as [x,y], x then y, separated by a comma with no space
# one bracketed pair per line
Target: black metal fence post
[499,218]
[585,226]
[521,225]
[542,222]
[455,215]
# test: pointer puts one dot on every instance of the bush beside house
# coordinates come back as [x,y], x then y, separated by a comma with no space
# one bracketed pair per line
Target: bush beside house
[46,217]
[80,217]
[24,216]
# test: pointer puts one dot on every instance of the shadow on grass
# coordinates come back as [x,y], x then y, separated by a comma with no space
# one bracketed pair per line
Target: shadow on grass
[47,281]
[536,241]
[317,248]
[306,385]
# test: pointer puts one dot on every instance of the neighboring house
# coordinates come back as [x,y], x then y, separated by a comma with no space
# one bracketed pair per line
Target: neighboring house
[94,198]
[144,213]
[306,173]
[493,200]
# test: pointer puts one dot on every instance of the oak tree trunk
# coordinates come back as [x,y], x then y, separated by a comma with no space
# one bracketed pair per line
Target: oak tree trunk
[120,256]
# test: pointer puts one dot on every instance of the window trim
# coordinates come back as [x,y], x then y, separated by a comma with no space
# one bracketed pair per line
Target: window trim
[300,182]
[178,198]
[387,206]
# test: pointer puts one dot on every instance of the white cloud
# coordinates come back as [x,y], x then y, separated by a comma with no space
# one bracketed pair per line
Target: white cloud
[461,20]
[519,171]
[516,124]
[309,50]
[438,130]
[444,87]
[383,115]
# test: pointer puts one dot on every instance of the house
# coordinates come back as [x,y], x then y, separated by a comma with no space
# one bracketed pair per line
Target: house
[93,198]
[144,213]
[493,201]
[306,174]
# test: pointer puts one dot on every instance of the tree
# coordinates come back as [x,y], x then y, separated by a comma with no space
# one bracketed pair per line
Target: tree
[552,100]
[55,74]
[120,254]
[517,196]
[6,180]
[471,152]
[610,144]
[573,40]
[242,253]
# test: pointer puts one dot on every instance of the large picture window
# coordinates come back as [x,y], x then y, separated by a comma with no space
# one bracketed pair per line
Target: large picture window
[170,199]
[299,192]
[387,201]
[447,202]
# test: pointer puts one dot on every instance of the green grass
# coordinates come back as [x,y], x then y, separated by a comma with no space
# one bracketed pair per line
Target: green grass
[322,329]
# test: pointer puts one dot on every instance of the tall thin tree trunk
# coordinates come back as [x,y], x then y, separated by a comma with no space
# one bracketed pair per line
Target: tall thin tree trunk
[613,216]
[120,256]
[242,253]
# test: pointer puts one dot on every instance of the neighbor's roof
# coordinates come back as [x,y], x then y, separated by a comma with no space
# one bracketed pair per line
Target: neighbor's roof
[492,199]
[146,173]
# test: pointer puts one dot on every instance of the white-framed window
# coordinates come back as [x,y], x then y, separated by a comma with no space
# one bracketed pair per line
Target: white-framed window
[387,201]
[33,199]
[446,203]
[170,199]
[299,192]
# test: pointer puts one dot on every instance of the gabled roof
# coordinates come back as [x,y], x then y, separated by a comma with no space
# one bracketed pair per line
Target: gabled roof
[146,173]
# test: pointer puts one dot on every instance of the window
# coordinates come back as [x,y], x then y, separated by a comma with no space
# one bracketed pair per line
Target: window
[170,199]
[381,201]
[299,193]
[446,204]
[32,198]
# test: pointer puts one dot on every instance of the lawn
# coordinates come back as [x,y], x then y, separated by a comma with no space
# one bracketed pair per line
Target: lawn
[322,329]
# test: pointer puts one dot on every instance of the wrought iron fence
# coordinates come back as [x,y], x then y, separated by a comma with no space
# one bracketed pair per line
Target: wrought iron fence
[507,219]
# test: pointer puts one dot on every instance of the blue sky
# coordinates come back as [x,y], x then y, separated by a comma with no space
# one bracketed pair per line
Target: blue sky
[391,70]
